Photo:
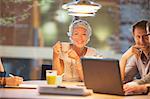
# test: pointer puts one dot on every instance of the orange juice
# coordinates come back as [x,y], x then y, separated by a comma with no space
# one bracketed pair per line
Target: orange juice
[51,79]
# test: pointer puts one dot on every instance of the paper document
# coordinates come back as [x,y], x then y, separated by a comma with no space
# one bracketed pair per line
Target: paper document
[24,86]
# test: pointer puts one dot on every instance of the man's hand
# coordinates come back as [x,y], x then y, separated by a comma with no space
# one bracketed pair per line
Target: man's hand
[134,88]
[13,81]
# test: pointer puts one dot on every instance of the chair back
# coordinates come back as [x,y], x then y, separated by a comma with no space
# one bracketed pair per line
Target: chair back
[44,68]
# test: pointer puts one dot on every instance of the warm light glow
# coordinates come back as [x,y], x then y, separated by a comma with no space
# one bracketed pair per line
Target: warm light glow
[82,8]
[81,14]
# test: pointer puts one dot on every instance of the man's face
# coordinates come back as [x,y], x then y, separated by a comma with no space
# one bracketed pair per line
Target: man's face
[141,38]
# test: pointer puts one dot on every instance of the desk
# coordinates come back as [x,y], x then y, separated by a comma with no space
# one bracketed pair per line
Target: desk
[33,93]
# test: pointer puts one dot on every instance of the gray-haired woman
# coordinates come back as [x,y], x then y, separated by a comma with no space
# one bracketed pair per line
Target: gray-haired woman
[66,55]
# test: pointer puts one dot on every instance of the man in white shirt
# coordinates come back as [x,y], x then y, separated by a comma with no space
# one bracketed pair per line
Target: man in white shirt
[139,62]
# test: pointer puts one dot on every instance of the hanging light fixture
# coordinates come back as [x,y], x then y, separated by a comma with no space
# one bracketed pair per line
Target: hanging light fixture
[82,8]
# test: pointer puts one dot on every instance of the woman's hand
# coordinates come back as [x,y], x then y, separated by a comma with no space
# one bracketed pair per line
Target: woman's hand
[57,47]
[57,62]
[73,54]
[13,81]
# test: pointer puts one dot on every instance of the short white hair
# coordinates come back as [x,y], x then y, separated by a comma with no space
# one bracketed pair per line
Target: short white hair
[80,23]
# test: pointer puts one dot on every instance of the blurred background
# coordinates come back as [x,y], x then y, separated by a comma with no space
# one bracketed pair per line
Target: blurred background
[29,29]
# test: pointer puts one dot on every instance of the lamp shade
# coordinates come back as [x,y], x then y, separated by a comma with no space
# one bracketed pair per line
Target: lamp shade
[82,8]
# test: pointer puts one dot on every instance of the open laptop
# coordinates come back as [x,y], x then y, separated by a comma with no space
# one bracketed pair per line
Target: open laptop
[102,75]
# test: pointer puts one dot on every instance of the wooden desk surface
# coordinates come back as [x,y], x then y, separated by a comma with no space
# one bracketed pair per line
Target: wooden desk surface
[33,93]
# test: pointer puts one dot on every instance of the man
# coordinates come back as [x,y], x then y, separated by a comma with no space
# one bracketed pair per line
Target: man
[139,62]
[9,81]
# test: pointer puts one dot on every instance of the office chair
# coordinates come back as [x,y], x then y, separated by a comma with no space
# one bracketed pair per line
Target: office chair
[44,68]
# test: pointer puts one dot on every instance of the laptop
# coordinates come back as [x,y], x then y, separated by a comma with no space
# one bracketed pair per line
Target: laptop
[102,75]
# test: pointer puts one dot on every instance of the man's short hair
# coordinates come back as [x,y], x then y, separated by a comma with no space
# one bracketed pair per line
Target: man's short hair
[141,24]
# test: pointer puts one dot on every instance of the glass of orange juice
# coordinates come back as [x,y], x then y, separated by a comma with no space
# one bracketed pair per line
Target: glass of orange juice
[51,77]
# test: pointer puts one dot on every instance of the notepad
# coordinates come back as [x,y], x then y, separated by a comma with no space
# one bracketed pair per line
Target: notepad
[64,90]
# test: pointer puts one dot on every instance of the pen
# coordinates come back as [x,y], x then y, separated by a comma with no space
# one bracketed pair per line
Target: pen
[11,75]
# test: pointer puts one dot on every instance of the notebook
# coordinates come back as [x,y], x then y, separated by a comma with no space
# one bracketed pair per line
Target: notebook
[23,86]
[103,76]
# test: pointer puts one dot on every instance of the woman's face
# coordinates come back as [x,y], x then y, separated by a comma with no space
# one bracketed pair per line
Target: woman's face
[79,37]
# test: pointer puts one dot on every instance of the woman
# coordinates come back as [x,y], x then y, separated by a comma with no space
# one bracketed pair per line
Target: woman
[66,56]
[9,81]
